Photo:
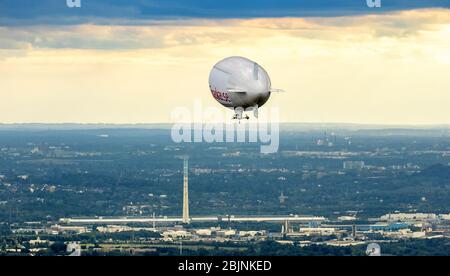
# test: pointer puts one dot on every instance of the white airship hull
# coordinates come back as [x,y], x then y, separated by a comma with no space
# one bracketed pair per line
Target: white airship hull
[240,84]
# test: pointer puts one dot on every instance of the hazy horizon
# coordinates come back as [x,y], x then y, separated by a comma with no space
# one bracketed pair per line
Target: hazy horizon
[170,124]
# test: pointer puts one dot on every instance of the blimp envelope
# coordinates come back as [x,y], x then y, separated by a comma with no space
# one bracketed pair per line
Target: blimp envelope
[221,79]
[240,82]
[219,88]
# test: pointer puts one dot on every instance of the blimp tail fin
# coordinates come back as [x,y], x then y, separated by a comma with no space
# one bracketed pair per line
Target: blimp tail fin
[236,91]
[273,90]
[255,71]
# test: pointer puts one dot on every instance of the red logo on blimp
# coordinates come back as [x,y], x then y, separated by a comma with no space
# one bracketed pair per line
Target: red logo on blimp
[220,96]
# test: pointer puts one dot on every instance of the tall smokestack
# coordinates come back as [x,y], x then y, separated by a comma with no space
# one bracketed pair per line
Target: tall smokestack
[186,218]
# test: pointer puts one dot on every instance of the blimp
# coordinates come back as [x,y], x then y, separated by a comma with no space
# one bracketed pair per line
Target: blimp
[240,84]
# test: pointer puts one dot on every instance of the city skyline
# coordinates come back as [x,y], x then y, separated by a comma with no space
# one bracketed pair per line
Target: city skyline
[327,189]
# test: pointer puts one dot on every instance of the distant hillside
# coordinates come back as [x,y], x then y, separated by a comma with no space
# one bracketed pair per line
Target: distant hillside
[338,128]
[75,126]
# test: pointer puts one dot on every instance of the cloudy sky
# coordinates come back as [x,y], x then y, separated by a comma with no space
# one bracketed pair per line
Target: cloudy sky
[135,61]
